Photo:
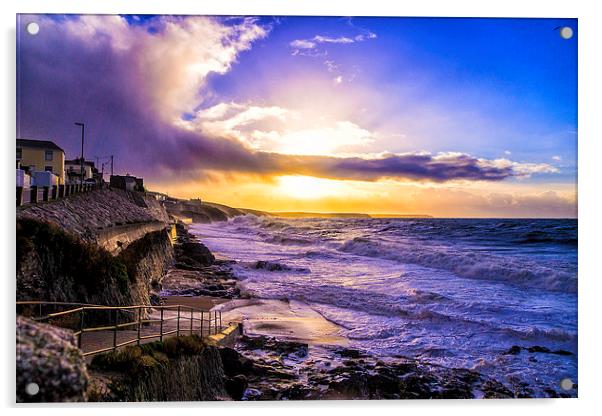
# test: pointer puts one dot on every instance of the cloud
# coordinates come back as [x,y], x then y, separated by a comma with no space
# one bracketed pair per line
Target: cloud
[521,170]
[331,66]
[278,130]
[308,46]
[132,84]
[557,158]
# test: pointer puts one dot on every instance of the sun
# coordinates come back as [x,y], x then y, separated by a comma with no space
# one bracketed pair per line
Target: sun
[307,187]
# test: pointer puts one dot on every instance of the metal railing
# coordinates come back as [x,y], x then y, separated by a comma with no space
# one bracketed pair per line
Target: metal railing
[207,321]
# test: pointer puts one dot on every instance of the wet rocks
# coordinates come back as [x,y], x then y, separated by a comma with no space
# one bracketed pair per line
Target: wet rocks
[189,252]
[196,272]
[515,350]
[350,353]
[277,267]
[236,386]
[207,281]
[277,370]
[234,363]
[271,266]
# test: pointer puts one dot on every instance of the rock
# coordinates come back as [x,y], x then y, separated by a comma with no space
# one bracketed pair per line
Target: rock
[48,356]
[234,363]
[562,352]
[350,353]
[514,350]
[277,267]
[352,385]
[155,299]
[537,348]
[236,386]
[494,390]
[197,252]
[271,266]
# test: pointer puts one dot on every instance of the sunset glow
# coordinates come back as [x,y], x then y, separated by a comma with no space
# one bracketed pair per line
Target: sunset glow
[320,114]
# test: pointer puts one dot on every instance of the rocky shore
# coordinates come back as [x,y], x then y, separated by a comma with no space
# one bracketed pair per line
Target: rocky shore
[262,367]
[286,370]
[196,272]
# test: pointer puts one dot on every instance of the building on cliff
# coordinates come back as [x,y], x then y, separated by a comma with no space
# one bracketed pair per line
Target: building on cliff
[74,174]
[127,182]
[41,155]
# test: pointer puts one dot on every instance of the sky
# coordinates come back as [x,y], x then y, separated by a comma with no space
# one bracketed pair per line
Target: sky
[445,117]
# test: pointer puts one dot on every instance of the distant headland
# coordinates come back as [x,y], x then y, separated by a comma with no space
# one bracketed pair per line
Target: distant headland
[344,215]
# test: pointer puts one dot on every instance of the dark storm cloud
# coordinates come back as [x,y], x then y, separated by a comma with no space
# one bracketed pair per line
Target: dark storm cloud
[64,78]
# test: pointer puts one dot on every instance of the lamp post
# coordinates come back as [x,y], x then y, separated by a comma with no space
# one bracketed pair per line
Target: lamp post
[82,125]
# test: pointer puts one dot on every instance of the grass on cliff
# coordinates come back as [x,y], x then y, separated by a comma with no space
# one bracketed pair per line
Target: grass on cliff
[68,267]
[138,359]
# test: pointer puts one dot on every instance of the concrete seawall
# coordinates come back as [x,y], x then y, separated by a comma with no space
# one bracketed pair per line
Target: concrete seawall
[116,239]
[99,214]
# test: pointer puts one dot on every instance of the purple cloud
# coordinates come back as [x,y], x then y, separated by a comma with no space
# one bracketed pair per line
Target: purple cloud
[130,85]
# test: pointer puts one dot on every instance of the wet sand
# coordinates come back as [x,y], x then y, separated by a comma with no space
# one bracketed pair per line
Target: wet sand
[201,302]
[286,320]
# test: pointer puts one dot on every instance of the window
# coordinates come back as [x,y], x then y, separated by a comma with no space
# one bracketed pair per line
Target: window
[48,155]
[19,153]
[48,168]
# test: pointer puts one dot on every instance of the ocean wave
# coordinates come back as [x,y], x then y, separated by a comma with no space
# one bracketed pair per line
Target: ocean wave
[536,237]
[289,241]
[468,264]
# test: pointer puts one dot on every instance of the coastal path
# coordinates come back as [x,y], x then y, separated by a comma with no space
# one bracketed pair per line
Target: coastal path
[106,328]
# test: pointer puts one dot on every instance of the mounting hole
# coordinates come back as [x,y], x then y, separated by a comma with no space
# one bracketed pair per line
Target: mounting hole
[33,28]
[566,32]
[566,384]
[32,389]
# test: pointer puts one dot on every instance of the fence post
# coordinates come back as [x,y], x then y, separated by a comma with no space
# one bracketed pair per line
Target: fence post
[33,196]
[139,322]
[61,191]
[191,319]
[114,329]
[55,192]
[19,196]
[202,319]
[81,328]
[161,327]
[220,321]
[178,324]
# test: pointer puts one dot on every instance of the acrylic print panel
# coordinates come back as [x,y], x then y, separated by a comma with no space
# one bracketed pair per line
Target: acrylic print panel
[307,208]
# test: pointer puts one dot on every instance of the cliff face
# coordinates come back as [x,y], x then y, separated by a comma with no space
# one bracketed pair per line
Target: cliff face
[178,369]
[188,378]
[107,247]
[55,266]
[48,357]
[147,260]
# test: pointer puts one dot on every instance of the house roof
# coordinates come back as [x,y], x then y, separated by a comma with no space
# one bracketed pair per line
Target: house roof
[76,161]
[38,144]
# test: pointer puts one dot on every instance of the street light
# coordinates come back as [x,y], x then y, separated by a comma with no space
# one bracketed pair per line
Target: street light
[82,125]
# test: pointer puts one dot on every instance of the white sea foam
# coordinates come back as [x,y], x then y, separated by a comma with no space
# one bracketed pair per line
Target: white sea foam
[457,292]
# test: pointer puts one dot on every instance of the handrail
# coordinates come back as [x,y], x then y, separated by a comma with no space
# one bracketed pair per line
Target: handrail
[214,322]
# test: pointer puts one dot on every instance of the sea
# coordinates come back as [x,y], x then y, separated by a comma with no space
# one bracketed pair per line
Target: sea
[454,292]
